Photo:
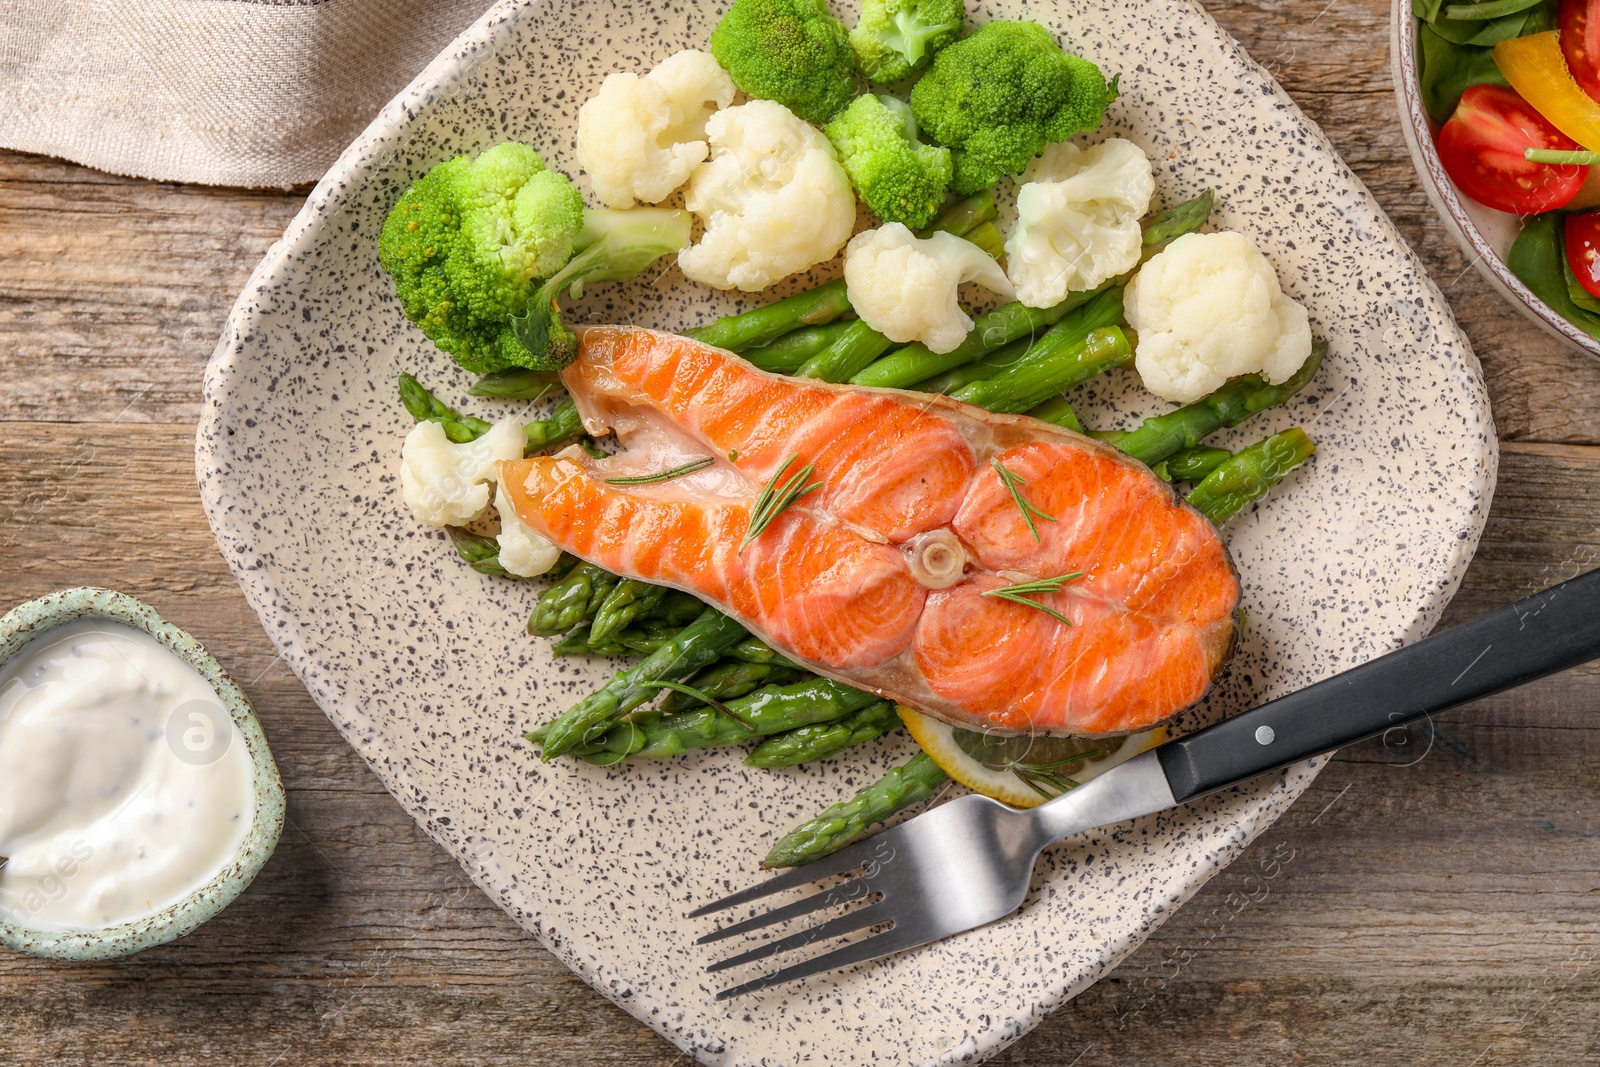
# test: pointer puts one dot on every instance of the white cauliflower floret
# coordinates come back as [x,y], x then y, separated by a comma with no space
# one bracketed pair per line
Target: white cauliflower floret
[446,483]
[639,138]
[523,552]
[1078,217]
[1208,308]
[773,198]
[905,287]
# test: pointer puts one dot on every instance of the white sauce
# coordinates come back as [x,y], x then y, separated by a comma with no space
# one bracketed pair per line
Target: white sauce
[124,786]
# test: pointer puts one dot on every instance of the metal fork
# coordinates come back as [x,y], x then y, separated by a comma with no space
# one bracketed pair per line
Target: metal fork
[968,862]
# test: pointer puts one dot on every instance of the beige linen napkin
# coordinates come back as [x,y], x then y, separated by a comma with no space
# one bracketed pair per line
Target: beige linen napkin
[224,92]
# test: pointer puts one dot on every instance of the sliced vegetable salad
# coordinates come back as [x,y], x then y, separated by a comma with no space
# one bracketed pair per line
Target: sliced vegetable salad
[1515,85]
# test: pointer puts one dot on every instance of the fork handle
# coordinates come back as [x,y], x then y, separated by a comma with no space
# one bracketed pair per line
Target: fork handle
[1540,635]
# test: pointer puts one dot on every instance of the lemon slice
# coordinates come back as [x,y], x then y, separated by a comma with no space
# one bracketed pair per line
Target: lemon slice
[1022,771]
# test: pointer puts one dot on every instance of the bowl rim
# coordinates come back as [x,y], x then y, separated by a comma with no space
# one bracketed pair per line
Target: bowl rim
[37,617]
[1442,193]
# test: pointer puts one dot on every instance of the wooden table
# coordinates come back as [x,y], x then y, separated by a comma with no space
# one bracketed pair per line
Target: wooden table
[1422,904]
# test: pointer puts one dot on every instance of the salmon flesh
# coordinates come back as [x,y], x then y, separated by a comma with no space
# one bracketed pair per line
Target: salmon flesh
[878,577]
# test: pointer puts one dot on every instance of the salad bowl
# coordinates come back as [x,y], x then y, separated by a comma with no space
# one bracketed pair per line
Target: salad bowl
[425,666]
[1484,234]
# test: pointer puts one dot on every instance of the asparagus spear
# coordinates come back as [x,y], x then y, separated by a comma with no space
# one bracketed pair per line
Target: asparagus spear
[641,640]
[1104,308]
[1058,411]
[988,238]
[851,352]
[725,680]
[1193,464]
[677,608]
[763,325]
[789,352]
[1048,369]
[755,650]
[1250,474]
[425,407]
[693,647]
[1079,347]
[770,710]
[563,425]
[913,781]
[964,216]
[1164,227]
[480,553]
[627,600]
[991,330]
[566,603]
[1161,436]
[985,366]
[823,739]
[860,345]
[516,383]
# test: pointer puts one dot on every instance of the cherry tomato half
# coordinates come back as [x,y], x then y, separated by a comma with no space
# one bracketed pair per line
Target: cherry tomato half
[1481,148]
[1583,250]
[1579,22]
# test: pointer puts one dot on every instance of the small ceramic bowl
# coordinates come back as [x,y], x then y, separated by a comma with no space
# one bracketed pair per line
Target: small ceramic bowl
[27,621]
[1484,234]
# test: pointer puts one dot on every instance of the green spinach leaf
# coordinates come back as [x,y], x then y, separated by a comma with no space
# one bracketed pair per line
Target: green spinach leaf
[1537,260]
[1482,33]
[1446,70]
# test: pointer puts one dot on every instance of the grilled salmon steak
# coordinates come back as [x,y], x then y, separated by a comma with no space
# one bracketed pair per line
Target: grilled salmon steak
[883,576]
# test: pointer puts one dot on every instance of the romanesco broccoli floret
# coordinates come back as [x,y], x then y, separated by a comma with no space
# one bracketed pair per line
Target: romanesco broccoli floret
[895,38]
[997,97]
[900,178]
[791,51]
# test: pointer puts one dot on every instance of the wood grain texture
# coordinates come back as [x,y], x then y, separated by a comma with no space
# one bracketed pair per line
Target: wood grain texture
[1428,902]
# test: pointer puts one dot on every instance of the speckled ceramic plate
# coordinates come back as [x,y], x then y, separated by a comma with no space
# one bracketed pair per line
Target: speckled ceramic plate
[425,667]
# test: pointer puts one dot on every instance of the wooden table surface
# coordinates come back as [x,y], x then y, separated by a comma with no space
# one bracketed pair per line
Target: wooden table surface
[1428,902]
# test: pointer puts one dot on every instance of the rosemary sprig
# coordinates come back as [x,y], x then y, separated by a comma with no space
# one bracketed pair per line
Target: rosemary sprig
[1039,776]
[1019,593]
[776,496]
[1012,482]
[701,695]
[664,476]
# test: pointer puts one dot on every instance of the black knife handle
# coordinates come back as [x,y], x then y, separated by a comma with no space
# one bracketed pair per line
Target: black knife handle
[1545,633]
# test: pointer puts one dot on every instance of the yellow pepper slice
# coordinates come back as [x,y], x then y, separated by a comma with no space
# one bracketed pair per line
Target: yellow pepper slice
[1537,70]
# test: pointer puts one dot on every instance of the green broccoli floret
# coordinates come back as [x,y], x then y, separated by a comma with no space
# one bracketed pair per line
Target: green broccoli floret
[791,51]
[895,38]
[613,245]
[998,97]
[467,244]
[900,178]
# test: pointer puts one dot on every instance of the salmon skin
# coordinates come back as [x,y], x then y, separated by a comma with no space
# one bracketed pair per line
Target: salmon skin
[878,577]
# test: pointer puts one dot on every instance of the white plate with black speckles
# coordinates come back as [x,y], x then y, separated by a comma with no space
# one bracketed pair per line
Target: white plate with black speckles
[425,667]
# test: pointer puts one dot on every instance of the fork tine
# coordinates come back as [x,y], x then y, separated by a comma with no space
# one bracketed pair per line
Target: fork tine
[846,859]
[853,890]
[897,939]
[843,924]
